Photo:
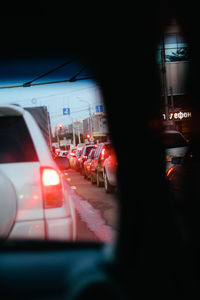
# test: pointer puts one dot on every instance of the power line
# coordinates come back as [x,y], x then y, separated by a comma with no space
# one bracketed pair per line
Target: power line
[44,83]
[28,83]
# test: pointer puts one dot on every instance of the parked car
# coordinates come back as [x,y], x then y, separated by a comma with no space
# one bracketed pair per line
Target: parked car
[175,146]
[84,156]
[42,209]
[110,172]
[87,164]
[97,165]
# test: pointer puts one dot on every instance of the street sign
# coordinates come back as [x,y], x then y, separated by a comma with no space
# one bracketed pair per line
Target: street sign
[99,108]
[66,111]
[91,141]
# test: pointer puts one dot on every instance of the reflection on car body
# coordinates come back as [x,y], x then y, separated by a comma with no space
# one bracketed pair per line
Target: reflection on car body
[110,172]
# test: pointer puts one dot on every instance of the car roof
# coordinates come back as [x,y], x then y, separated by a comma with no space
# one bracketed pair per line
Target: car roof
[171,131]
[11,110]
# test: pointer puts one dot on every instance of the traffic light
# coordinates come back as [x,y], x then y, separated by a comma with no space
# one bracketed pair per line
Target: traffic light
[61,126]
[88,136]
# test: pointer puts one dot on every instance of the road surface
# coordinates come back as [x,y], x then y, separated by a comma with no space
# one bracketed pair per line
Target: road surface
[97,211]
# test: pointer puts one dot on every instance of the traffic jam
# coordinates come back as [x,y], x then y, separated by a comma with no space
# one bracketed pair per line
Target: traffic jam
[91,176]
[96,163]
[58,182]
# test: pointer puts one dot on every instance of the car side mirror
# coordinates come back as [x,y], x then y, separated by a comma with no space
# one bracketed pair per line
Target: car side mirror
[176,160]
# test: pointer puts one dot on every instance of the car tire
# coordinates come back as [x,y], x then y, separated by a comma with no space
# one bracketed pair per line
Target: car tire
[83,172]
[108,187]
[92,179]
[99,183]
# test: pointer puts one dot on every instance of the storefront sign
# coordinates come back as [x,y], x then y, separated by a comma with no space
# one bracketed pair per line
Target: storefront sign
[178,115]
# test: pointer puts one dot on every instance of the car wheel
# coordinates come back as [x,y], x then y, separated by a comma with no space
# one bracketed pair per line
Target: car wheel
[99,183]
[108,187]
[83,171]
[92,179]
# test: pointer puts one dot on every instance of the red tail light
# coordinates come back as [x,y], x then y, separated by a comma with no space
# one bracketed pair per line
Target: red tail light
[169,171]
[103,153]
[52,187]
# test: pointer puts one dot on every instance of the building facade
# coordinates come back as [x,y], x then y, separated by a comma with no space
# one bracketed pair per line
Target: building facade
[173,65]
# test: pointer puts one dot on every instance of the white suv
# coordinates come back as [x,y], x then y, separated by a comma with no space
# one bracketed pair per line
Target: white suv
[40,207]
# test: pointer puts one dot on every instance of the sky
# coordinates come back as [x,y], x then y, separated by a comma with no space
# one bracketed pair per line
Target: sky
[77,96]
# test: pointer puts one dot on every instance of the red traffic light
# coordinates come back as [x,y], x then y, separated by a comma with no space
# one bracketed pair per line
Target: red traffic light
[88,136]
[61,126]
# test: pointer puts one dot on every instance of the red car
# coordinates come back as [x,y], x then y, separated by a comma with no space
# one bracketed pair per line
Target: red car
[97,164]
[84,156]
[110,172]
[87,164]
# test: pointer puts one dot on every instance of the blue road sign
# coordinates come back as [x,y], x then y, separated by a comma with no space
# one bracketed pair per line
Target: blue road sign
[66,111]
[99,108]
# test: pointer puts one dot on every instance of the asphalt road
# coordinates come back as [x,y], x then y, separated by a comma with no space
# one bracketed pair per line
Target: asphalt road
[97,211]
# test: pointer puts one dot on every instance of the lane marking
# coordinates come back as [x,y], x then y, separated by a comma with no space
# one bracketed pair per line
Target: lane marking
[73,187]
[68,179]
[66,173]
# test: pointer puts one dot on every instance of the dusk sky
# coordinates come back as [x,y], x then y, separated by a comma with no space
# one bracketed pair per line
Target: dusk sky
[77,96]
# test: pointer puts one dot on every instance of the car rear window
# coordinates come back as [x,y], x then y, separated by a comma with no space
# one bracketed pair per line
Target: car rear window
[88,149]
[15,141]
[173,140]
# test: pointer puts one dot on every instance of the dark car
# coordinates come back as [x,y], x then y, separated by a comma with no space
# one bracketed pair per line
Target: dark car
[84,156]
[97,165]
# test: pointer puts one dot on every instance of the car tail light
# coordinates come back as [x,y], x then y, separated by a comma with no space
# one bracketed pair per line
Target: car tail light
[169,171]
[103,153]
[52,187]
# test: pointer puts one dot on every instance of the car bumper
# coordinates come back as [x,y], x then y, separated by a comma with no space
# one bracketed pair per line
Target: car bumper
[53,229]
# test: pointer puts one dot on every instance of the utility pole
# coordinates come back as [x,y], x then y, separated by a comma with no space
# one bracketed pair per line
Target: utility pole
[91,131]
[74,139]
[164,81]
[58,140]
[90,115]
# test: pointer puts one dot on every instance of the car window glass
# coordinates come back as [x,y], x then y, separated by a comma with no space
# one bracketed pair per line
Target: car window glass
[174,140]
[15,141]
[60,195]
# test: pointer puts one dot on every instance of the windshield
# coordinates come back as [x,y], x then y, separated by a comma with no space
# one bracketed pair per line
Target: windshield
[52,115]
[174,140]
